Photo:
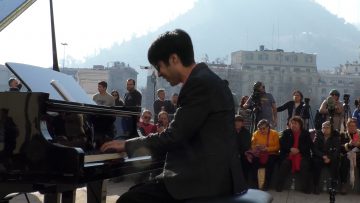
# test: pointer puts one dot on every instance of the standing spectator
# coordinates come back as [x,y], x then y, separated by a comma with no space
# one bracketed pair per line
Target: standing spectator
[263,104]
[243,138]
[173,106]
[160,104]
[117,98]
[293,107]
[349,147]
[356,114]
[103,97]
[133,96]
[163,121]
[14,85]
[333,107]
[264,140]
[296,148]
[326,154]
[145,125]
[245,113]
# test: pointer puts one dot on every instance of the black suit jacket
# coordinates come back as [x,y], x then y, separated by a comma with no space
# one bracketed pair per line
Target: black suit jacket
[289,106]
[202,158]
[306,146]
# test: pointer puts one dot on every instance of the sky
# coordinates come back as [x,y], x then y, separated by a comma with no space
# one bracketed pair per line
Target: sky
[87,26]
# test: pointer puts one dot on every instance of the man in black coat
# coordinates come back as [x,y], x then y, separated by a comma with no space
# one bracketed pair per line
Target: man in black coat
[202,158]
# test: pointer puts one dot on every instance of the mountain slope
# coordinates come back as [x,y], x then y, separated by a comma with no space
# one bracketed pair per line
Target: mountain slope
[221,27]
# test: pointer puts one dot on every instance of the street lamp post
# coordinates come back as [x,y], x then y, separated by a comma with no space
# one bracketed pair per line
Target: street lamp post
[64,44]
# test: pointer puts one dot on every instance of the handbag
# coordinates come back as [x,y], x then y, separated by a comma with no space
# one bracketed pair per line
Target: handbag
[264,155]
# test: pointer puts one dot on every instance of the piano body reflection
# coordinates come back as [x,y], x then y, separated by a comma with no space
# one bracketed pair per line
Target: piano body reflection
[51,145]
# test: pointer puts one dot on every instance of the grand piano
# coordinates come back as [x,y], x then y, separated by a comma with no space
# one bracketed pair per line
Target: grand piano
[51,131]
[50,145]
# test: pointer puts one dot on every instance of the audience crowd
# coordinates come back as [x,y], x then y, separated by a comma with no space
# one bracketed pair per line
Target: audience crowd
[263,148]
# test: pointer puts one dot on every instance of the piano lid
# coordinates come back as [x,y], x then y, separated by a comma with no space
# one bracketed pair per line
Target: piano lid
[59,85]
[11,9]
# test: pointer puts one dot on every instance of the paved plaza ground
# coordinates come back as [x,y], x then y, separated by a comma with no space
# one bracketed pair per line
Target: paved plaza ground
[115,189]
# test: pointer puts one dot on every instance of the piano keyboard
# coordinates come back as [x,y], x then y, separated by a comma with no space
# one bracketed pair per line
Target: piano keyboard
[103,157]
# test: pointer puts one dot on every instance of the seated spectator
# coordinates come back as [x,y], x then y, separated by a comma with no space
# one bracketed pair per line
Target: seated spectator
[163,121]
[356,113]
[349,147]
[243,138]
[296,148]
[264,141]
[145,126]
[326,154]
[161,104]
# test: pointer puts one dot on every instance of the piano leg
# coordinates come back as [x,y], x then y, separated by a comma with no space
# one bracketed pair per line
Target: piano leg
[68,196]
[96,192]
[52,197]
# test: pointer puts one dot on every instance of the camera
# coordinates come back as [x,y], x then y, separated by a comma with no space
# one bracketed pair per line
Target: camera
[346,98]
[305,112]
[307,101]
[256,95]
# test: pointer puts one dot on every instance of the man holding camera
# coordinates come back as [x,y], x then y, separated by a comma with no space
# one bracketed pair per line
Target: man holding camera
[263,105]
[333,109]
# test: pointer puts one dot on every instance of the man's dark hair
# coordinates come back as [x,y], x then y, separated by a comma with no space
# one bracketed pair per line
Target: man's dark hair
[131,80]
[172,42]
[103,83]
[257,85]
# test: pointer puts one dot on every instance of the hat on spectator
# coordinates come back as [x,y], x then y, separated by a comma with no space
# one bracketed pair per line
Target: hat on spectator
[334,92]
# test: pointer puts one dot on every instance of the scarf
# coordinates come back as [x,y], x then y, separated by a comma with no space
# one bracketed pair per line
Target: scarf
[295,158]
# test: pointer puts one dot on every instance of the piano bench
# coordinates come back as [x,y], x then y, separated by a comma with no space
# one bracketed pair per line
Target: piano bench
[251,196]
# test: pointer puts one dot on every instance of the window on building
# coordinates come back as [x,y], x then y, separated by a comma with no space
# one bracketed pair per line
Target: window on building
[276,68]
[346,91]
[271,89]
[308,70]
[260,57]
[296,70]
[260,68]
[323,91]
[246,67]
[310,80]
[287,58]
[266,57]
[309,59]
[295,58]
[249,56]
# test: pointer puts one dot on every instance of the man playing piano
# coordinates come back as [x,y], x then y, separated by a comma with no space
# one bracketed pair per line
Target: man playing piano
[200,143]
